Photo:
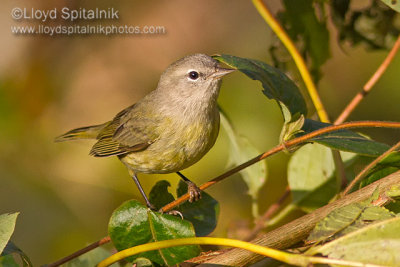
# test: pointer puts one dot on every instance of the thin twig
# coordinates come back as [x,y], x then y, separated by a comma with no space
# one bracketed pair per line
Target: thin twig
[267,215]
[296,231]
[368,168]
[290,143]
[298,59]
[305,74]
[371,82]
[80,252]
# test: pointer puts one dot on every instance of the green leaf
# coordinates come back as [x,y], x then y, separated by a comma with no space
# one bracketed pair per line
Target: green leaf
[374,25]
[308,31]
[159,195]
[347,219]
[143,262]
[393,160]
[91,258]
[388,165]
[11,248]
[203,214]
[240,151]
[291,129]
[8,261]
[376,175]
[394,4]
[7,226]
[276,84]
[378,243]
[133,224]
[344,140]
[311,176]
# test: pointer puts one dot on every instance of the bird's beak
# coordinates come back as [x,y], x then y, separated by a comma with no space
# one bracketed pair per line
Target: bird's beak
[219,72]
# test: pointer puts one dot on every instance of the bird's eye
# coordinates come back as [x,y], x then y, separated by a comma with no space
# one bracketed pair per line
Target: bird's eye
[193,75]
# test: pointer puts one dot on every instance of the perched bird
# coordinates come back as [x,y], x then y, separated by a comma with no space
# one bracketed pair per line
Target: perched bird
[169,129]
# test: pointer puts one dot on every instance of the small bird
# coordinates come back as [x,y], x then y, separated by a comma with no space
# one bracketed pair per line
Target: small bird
[169,129]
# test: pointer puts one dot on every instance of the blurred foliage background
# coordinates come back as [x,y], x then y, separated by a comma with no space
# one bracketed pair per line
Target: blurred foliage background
[49,85]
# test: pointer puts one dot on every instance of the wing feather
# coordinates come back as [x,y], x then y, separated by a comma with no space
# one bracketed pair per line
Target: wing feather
[128,132]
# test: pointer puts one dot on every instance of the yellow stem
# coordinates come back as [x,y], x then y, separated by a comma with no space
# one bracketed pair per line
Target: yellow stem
[301,65]
[294,259]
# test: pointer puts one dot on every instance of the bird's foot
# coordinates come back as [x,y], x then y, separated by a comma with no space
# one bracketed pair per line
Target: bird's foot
[194,192]
[175,213]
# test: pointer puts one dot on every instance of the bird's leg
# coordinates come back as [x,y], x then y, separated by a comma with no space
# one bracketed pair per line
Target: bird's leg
[149,205]
[193,190]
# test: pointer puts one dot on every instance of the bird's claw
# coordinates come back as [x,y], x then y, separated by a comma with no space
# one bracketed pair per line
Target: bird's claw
[175,213]
[194,192]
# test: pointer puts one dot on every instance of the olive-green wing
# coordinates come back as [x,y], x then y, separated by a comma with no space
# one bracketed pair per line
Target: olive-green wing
[128,132]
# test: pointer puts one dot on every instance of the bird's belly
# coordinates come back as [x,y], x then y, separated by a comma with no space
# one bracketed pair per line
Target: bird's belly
[176,149]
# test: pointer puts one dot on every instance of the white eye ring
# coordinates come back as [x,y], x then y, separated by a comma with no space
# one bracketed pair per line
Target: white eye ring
[193,75]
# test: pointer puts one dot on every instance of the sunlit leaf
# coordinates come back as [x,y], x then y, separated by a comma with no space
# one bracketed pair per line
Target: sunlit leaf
[394,4]
[291,129]
[134,224]
[7,226]
[347,219]
[311,169]
[242,150]
[378,243]
[143,262]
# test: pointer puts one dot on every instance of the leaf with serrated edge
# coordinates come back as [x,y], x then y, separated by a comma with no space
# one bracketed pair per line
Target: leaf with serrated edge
[378,243]
[347,219]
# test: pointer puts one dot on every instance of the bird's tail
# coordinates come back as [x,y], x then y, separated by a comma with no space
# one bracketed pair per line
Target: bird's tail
[89,132]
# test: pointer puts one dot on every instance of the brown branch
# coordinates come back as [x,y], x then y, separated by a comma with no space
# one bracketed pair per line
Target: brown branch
[80,252]
[267,215]
[361,175]
[293,142]
[368,86]
[296,231]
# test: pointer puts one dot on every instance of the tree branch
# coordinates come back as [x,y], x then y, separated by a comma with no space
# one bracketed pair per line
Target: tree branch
[293,142]
[369,167]
[368,86]
[298,59]
[290,143]
[80,252]
[296,231]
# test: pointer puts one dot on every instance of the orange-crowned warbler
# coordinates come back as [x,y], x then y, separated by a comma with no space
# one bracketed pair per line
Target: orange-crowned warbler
[169,129]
